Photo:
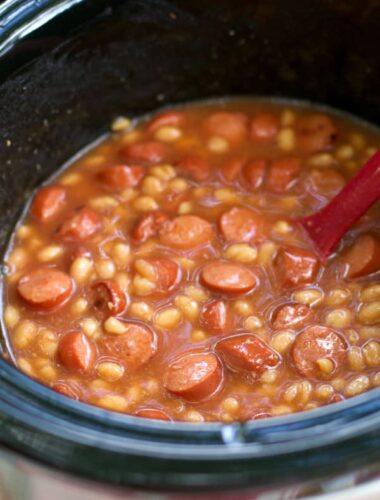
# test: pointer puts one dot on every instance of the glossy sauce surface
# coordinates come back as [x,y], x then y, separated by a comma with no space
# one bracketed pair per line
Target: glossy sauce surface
[160,275]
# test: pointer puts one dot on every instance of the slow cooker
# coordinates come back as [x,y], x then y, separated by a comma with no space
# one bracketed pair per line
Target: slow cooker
[68,67]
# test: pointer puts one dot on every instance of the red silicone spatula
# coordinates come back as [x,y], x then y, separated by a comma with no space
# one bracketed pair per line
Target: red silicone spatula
[326,227]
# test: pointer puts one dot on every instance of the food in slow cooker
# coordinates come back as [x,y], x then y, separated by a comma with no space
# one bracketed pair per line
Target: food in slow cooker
[160,274]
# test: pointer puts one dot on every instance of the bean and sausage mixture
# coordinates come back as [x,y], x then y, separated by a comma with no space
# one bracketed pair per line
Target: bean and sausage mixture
[160,275]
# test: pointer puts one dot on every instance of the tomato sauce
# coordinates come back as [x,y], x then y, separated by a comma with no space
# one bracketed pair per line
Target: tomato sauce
[160,274]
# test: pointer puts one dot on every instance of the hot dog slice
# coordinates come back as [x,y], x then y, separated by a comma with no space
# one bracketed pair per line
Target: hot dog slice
[363,256]
[152,413]
[76,352]
[82,225]
[215,317]
[149,152]
[241,225]
[231,126]
[295,266]
[45,288]
[228,278]
[148,226]
[48,202]
[107,298]
[121,176]
[294,316]
[186,232]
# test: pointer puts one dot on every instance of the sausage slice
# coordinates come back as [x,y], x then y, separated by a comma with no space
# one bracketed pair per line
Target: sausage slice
[363,256]
[133,348]
[194,376]
[241,225]
[149,152]
[295,266]
[315,343]
[228,278]
[45,288]
[164,272]
[148,226]
[231,126]
[264,127]
[230,171]
[196,167]
[247,353]
[316,133]
[48,202]
[76,352]
[152,413]
[107,298]
[82,225]
[294,316]
[254,174]
[283,174]
[121,176]
[167,119]
[215,317]
[185,232]
[66,390]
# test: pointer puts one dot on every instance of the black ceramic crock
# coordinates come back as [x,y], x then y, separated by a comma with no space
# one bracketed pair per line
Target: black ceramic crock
[61,84]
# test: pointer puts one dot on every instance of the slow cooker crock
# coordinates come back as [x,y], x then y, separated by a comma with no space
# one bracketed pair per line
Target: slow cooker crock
[60,86]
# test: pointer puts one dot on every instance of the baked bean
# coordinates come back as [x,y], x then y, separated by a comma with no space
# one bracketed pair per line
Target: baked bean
[231,126]
[196,167]
[241,225]
[149,152]
[194,376]
[48,202]
[81,226]
[295,266]
[215,317]
[76,352]
[363,256]
[318,343]
[248,353]
[283,174]
[185,232]
[316,133]
[134,347]
[45,288]
[107,298]
[119,177]
[228,278]
[294,316]
[264,127]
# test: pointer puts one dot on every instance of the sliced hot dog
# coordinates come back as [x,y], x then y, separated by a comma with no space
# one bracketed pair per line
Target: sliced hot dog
[133,348]
[316,133]
[185,232]
[295,266]
[316,343]
[194,376]
[254,174]
[152,413]
[167,119]
[149,152]
[66,390]
[228,278]
[48,202]
[164,272]
[196,167]
[80,226]
[326,181]
[107,298]
[294,316]
[76,352]
[215,317]
[231,126]
[121,176]
[264,127]
[248,353]
[148,226]
[241,225]
[283,174]
[45,288]
[363,256]
[230,171]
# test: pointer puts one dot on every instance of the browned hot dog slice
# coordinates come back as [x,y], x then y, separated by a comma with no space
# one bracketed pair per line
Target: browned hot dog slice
[317,343]
[228,278]
[164,272]
[194,376]
[185,232]
[230,171]
[231,126]
[295,266]
[241,224]
[283,174]
[76,352]
[82,225]
[150,152]
[152,413]
[121,176]
[294,316]
[248,353]
[45,288]
[133,348]
[316,133]
[363,257]
[196,167]
[264,127]
[107,298]
[148,226]
[48,202]
[215,317]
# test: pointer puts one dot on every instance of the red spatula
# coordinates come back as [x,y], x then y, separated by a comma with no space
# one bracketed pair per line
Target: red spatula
[326,227]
